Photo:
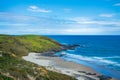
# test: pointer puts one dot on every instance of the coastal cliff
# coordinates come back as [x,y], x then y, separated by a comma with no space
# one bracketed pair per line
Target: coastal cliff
[13,67]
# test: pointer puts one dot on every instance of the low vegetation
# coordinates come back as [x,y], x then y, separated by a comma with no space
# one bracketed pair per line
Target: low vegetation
[22,45]
[13,67]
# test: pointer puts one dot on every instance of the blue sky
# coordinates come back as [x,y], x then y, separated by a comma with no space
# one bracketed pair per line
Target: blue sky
[60,17]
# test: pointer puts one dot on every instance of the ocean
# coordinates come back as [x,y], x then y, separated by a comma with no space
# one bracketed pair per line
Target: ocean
[101,53]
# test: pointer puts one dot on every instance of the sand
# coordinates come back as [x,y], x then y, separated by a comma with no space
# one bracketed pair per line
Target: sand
[57,64]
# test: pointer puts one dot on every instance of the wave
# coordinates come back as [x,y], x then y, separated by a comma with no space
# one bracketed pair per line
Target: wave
[110,57]
[97,60]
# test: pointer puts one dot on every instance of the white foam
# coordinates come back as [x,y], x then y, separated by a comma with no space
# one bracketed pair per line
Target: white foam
[79,57]
[111,57]
[97,60]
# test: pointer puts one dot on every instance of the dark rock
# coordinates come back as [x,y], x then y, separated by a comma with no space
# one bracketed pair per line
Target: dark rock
[82,71]
[60,55]
[63,48]
[90,73]
[48,53]
[71,47]
[103,77]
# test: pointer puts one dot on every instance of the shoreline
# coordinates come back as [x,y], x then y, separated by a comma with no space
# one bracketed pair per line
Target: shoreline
[79,71]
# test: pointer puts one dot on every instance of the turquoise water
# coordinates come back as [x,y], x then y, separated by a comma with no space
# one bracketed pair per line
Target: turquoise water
[101,53]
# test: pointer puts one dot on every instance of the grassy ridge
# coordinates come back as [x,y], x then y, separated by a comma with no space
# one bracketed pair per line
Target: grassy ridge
[13,67]
[22,45]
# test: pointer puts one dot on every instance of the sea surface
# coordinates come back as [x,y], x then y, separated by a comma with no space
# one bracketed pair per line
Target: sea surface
[101,53]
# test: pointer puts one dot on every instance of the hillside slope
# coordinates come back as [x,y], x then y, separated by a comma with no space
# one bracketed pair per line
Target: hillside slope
[21,45]
[13,67]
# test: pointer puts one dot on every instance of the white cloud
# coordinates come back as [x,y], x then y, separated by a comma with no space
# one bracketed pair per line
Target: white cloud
[67,10]
[37,9]
[117,4]
[33,7]
[88,21]
[13,24]
[53,25]
[10,17]
[14,19]
[106,15]
[89,30]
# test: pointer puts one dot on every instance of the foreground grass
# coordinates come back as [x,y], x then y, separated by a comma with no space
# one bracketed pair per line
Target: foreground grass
[13,67]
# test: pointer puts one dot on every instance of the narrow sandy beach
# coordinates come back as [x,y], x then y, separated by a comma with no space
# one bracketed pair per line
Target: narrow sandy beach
[57,64]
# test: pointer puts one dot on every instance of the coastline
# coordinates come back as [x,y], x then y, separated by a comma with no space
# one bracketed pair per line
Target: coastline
[59,65]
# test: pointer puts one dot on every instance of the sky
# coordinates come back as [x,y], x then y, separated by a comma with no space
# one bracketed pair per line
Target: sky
[60,17]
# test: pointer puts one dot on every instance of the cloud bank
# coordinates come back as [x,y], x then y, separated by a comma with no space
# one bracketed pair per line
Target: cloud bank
[20,24]
[34,8]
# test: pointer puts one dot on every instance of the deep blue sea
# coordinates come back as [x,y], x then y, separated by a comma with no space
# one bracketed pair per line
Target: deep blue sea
[101,53]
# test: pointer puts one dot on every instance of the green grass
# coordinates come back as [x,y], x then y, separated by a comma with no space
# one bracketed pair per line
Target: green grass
[22,45]
[13,67]
[3,77]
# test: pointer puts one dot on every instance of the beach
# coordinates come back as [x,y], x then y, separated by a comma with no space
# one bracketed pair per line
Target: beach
[59,65]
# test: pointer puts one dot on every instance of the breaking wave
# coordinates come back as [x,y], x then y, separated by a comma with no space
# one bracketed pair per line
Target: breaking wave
[97,60]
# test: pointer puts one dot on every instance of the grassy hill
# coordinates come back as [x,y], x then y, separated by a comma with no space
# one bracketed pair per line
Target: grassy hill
[13,67]
[22,45]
